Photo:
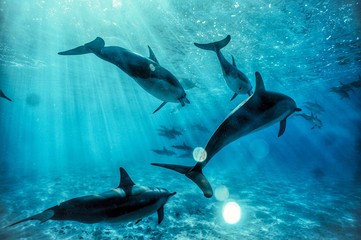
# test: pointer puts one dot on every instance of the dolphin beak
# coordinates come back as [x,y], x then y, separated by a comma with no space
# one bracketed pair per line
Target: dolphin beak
[172,194]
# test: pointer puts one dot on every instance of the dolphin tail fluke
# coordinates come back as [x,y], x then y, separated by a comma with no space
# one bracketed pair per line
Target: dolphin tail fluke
[215,46]
[42,217]
[193,173]
[94,46]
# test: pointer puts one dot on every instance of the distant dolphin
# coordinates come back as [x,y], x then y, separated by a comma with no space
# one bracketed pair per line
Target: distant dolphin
[127,202]
[2,94]
[164,151]
[260,110]
[183,146]
[313,119]
[147,72]
[235,79]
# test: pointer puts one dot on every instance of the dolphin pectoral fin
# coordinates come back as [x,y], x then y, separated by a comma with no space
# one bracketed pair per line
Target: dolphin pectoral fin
[42,217]
[138,221]
[94,46]
[233,61]
[160,214]
[152,55]
[234,96]
[193,173]
[214,46]
[2,94]
[162,105]
[282,127]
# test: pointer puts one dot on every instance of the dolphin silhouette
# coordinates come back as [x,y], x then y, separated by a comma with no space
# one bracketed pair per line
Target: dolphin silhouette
[2,94]
[235,79]
[127,202]
[258,111]
[147,72]
[164,151]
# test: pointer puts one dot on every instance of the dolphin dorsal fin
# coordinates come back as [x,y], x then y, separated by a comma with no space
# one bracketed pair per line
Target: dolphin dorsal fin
[125,180]
[152,55]
[233,61]
[259,83]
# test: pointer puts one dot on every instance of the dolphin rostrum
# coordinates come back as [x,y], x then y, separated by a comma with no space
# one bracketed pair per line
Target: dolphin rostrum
[147,72]
[260,110]
[2,94]
[127,202]
[235,79]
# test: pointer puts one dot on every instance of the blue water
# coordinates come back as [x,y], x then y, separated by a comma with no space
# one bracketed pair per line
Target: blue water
[75,120]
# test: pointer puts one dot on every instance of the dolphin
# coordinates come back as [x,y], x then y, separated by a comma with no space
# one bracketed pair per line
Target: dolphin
[169,133]
[183,147]
[313,119]
[164,151]
[357,83]
[235,79]
[147,72]
[127,202]
[2,94]
[314,107]
[262,109]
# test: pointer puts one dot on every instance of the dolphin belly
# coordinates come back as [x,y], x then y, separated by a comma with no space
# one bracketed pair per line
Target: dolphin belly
[237,84]
[160,89]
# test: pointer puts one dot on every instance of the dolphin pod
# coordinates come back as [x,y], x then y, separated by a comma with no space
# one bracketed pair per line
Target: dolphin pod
[147,72]
[130,202]
[127,202]
[235,79]
[262,109]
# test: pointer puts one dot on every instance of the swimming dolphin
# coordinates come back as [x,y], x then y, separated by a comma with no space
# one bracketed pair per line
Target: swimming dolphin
[183,147]
[313,119]
[170,133]
[314,107]
[164,151]
[147,72]
[357,83]
[235,79]
[260,110]
[2,94]
[127,202]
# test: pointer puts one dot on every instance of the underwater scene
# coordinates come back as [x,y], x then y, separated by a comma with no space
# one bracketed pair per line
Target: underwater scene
[112,110]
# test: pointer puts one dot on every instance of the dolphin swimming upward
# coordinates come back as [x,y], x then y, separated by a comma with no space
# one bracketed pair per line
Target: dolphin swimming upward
[127,202]
[2,94]
[235,79]
[260,110]
[147,72]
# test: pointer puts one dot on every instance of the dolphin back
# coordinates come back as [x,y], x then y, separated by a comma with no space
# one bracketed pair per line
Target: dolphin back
[214,46]
[94,46]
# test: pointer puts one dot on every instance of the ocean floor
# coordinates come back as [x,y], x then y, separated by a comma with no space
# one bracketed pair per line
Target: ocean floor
[301,207]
